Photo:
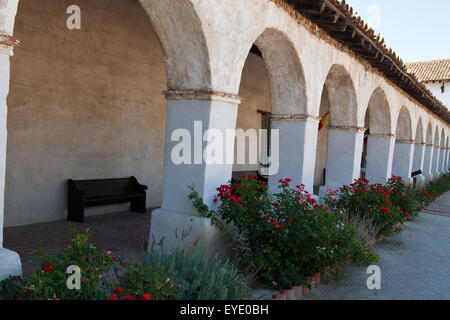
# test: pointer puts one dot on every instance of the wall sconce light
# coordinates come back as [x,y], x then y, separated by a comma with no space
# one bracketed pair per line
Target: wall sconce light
[443,88]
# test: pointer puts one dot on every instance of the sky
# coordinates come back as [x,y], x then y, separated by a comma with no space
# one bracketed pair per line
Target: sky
[417,30]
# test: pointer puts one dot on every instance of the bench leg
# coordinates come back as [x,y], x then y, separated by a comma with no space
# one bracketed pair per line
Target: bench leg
[138,205]
[76,214]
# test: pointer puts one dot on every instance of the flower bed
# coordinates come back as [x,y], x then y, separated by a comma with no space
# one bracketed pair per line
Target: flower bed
[179,275]
[286,237]
[386,206]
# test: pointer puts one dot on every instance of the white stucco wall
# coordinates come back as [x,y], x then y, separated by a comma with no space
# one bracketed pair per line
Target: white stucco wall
[83,104]
[87,104]
[255,94]
[435,88]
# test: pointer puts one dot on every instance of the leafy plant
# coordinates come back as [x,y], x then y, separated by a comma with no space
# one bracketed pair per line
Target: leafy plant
[286,236]
[439,186]
[101,277]
[201,275]
[387,207]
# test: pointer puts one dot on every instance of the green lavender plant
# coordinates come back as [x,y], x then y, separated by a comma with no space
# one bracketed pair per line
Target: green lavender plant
[202,275]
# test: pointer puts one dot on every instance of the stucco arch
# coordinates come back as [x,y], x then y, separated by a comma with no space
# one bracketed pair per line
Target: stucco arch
[404,125]
[443,138]
[429,137]
[285,71]
[180,31]
[436,141]
[379,113]
[419,136]
[342,97]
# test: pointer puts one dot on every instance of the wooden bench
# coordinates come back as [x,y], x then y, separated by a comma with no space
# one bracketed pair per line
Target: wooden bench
[90,193]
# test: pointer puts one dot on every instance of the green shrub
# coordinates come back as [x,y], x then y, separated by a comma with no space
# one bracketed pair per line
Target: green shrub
[408,199]
[201,275]
[287,236]
[101,274]
[139,281]
[372,201]
[439,186]
[49,282]
[386,206]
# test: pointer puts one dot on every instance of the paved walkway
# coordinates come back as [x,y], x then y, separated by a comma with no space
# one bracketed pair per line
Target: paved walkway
[122,233]
[440,207]
[414,265]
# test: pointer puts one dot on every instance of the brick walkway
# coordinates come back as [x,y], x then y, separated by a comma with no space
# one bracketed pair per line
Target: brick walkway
[122,233]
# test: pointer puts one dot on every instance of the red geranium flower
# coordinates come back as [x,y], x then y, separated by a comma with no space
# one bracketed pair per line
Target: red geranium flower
[48,267]
[385,210]
[130,297]
[113,298]
[118,291]
[146,296]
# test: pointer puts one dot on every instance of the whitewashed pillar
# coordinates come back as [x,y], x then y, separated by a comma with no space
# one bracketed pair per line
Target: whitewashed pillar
[428,163]
[446,162]
[442,160]
[177,223]
[419,163]
[345,146]
[380,152]
[435,166]
[403,159]
[297,145]
[9,260]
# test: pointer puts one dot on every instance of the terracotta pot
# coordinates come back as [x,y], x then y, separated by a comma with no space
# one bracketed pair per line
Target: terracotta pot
[279,296]
[290,294]
[305,289]
[310,280]
[317,277]
[298,292]
[327,273]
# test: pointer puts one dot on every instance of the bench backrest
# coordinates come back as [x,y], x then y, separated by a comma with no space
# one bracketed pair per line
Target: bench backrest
[104,187]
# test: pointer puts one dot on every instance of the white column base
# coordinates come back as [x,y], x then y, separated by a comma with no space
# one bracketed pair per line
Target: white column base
[344,156]
[403,161]
[428,178]
[171,229]
[379,158]
[420,181]
[10,264]
[296,160]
